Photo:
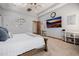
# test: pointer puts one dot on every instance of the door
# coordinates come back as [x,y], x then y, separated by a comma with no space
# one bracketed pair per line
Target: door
[36,27]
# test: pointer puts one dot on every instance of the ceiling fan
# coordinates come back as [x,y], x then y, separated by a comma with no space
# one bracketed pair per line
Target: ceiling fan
[33,6]
[29,6]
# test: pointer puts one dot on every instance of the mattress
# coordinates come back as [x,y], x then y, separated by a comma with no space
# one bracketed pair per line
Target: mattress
[20,43]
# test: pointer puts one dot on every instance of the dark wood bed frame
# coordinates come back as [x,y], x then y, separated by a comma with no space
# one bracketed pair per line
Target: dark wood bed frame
[35,51]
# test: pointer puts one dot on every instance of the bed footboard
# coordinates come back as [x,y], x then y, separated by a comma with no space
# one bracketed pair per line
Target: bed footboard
[46,47]
[35,51]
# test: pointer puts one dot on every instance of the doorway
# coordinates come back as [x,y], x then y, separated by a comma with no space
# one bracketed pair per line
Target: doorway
[37,27]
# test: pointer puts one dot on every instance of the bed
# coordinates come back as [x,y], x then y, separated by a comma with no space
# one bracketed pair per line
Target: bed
[21,43]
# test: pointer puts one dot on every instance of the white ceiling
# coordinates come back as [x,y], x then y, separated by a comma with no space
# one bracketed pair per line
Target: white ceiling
[19,8]
[41,10]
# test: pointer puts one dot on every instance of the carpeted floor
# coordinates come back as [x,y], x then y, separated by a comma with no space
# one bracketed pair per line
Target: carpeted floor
[59,48]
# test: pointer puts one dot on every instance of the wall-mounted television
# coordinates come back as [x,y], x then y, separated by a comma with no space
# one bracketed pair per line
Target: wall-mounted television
[54,22]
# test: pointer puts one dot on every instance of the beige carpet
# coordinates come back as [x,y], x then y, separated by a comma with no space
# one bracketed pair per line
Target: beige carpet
[59,48]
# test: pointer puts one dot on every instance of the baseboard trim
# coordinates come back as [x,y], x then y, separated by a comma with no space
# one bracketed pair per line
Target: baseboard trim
[55,37]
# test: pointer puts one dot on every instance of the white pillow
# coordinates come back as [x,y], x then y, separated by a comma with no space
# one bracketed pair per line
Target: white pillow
[10,35]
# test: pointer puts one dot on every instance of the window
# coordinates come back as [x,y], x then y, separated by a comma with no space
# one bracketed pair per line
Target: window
[71,20]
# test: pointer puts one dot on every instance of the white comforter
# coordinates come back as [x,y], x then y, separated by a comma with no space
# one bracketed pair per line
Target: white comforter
[19,44]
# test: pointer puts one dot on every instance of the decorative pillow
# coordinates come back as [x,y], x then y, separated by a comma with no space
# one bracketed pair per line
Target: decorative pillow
[4,29]
[10,35]
[3,34]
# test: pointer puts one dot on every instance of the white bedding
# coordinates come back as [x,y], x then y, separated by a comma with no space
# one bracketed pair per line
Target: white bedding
[20,43]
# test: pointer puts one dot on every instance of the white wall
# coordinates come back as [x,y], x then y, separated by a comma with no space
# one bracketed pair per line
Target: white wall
[64,11]
[10,18]
[0,18]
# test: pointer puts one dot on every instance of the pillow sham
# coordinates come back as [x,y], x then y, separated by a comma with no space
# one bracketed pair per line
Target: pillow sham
[3,35]
[4,29]
[10,35]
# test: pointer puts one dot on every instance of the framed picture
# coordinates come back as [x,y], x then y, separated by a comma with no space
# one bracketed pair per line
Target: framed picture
[54,22]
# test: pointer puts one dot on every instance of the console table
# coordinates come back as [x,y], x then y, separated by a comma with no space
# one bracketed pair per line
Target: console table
[74,35]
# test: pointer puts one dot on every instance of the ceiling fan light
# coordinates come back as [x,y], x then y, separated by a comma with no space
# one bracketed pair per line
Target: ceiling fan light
[29,9]
[33,3]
